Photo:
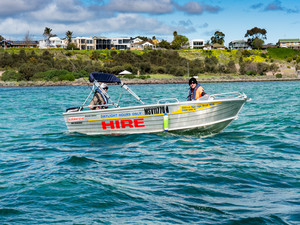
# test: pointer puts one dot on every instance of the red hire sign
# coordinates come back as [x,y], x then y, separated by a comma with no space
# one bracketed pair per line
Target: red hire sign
[122,124]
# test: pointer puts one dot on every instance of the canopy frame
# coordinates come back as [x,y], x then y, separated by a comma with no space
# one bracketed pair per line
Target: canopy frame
[97,77]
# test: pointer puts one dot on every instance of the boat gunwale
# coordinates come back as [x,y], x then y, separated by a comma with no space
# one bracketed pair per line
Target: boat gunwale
[241,98]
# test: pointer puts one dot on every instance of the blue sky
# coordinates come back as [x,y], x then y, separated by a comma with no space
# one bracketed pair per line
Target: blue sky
[159,18]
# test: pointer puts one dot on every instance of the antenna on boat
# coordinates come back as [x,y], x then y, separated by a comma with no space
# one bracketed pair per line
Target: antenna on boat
[131,92]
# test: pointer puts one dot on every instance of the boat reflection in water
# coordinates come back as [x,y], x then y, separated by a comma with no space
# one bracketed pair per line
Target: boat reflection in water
[206,115]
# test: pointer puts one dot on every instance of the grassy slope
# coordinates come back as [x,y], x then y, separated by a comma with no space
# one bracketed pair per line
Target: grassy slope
[278,55]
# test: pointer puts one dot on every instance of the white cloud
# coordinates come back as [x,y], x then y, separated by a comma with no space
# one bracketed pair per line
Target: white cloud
[89,20]
[15,7]
[17,27]
[62,11]
[194,7]
[129,24]
[141,6]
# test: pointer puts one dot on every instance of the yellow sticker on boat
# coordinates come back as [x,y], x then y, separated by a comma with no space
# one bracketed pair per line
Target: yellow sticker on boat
[192,108]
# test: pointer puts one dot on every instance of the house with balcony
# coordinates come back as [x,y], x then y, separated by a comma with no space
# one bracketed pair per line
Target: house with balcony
[102,43]
[196,44]
[112,43]
[289,43]
[121,43]
[83,43]
[239,44]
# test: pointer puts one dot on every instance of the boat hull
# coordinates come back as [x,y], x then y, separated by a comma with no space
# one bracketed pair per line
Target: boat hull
[209,116]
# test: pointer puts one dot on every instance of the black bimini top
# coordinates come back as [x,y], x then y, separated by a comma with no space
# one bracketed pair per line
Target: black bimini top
[104,77]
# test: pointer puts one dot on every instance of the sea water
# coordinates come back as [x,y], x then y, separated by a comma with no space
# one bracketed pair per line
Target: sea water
[247,174]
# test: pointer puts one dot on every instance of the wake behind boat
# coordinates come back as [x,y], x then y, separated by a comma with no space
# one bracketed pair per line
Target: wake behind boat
[208,114]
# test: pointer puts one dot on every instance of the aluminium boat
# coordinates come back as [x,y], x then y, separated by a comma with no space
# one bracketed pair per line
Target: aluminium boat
[207,115]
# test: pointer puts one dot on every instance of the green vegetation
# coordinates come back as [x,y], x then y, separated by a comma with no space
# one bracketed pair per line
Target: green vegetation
[57,64]
[283,53]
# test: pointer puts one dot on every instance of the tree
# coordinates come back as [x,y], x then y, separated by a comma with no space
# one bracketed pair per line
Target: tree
[142,38]
[27,39]
[256,36]
[218,38]
[257,43]
[274,68]
[164,44]
[69,35]
[1,38]
[179,41]
[47,33]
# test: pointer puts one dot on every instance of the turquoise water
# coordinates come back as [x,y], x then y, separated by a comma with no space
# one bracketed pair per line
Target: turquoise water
[247,174]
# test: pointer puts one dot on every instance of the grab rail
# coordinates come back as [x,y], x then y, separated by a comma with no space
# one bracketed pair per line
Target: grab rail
[166,100]
[230,94]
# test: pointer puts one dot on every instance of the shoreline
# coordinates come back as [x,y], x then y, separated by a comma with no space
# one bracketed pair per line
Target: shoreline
[82,82]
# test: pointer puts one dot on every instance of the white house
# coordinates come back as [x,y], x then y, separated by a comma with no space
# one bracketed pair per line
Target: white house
[121,43]
[136,40]
[196,44]
[239,44]
[289,43]
[151,44]
[54,42]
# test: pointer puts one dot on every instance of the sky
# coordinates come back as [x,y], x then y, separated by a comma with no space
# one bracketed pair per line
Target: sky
[160,18]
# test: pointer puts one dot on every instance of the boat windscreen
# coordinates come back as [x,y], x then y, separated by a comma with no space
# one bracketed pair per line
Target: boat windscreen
[104,77]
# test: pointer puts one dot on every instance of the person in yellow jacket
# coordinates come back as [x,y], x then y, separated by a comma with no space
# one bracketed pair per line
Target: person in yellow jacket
[196,91]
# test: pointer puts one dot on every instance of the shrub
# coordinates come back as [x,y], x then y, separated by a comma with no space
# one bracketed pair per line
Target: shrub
[263,55]
[59,75]
[145,67]
[113,53]
[251,72]
[116,69]
[278,75]
[180,71]
[158,69]
[242,68]
[211,64]
[143,77]
[6,60]
[38,76]
[129,76]
[10,75]
[69,76]
[72,46]
[93,67]
[27,70]
[262,68]
[95,55]
[246,53]
[231,67]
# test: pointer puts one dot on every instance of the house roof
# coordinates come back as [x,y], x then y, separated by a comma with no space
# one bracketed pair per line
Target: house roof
[217,45]
[144,42]
[238,41]
[20,42]
[289,40]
